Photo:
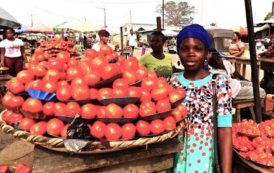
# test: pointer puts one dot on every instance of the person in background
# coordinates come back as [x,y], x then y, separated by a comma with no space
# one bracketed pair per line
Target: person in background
[157,60]
[132,42]
[104,38]
[241,88]
[12,52]
[197,154]
[237,47]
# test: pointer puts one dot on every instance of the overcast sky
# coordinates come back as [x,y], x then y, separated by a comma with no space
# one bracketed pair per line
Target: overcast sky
[226,13]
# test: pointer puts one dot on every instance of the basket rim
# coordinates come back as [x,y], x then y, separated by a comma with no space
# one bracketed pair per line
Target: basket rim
[57,144]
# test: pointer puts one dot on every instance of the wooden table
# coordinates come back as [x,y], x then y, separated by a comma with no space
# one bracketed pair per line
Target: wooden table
[153,158]
[267,64]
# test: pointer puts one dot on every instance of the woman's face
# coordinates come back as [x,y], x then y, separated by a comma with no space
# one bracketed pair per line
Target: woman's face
[156,42]
[235,37]
[9,34]
[105,39]
[192,53]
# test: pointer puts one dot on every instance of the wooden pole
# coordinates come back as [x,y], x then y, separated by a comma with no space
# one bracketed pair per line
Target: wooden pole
[159,26]
[122,40]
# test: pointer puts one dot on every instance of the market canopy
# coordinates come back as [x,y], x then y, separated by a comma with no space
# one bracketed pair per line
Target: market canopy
[170,33]
[79,26]
[7,20]
[40,29]
[241,30]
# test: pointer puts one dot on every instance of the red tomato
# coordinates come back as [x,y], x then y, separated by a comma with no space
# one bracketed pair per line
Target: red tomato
[159,93]
[109,70]
[143,128]
[93,93]
[88,111]
[6,100]
[35,85]
[6,115]
[32,105]
[64,132]
[55,126]
[106,50]
[157,126]
[151,74]
[147,108]
[176,95]
[101,111]
[170,123]
[145,95]
[120,83]
[48,108]
[63,56]
[4,169]
[78,81]
[92,77]
[49,86]
[73,72]
[131,111]
[26,124]
[98,62]
[52,75]
[104,93]
[80,92]
[39,128]
[25,76]
[22,168]
[114,111]
[148,83]
[72,109]
[62,83]
[14,118]
[97,129]
[179,113]
[119,92]
[134,92]
[39,71]
[163,105]
[56,65]
[63,93]
[113,132]
[16,101]
[73,62]
[60,109]
[15,86]
[90,53]
[131,64]
[129,131]
[130,76]
[141,73]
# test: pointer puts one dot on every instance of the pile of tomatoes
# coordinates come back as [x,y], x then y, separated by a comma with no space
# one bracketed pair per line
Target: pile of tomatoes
[80,86]
[255,141]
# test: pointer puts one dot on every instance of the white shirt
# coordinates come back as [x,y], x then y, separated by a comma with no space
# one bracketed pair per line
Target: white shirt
[132,40]
[12,48]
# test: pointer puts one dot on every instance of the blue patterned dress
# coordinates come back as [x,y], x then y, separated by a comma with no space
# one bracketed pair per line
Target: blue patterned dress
[197,153]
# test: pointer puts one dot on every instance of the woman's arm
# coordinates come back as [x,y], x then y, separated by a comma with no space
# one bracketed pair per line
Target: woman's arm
[225,146]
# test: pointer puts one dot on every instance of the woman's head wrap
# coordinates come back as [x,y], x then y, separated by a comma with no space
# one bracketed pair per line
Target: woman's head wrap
[194,31]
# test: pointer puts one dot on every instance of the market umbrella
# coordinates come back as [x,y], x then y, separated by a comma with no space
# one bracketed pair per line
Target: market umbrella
[241,30]
[79,26]
[253,59]
[7,20]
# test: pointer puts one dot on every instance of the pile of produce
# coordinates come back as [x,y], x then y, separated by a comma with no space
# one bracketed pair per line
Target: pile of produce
[255,142]
[100,96]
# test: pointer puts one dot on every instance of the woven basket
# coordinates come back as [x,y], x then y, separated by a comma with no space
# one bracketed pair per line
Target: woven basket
[57,144]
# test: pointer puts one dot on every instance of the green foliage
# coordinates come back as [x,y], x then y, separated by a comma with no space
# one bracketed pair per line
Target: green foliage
[177,14]
[268,16]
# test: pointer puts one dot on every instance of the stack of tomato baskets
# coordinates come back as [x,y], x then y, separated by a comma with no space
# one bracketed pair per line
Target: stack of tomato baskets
[254,143]
[99,98]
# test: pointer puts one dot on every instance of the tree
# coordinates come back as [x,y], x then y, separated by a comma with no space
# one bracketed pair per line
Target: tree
[268,16]
[177,14]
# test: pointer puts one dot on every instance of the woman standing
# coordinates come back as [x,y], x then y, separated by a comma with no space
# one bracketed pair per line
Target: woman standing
[12,52]
[197,155]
